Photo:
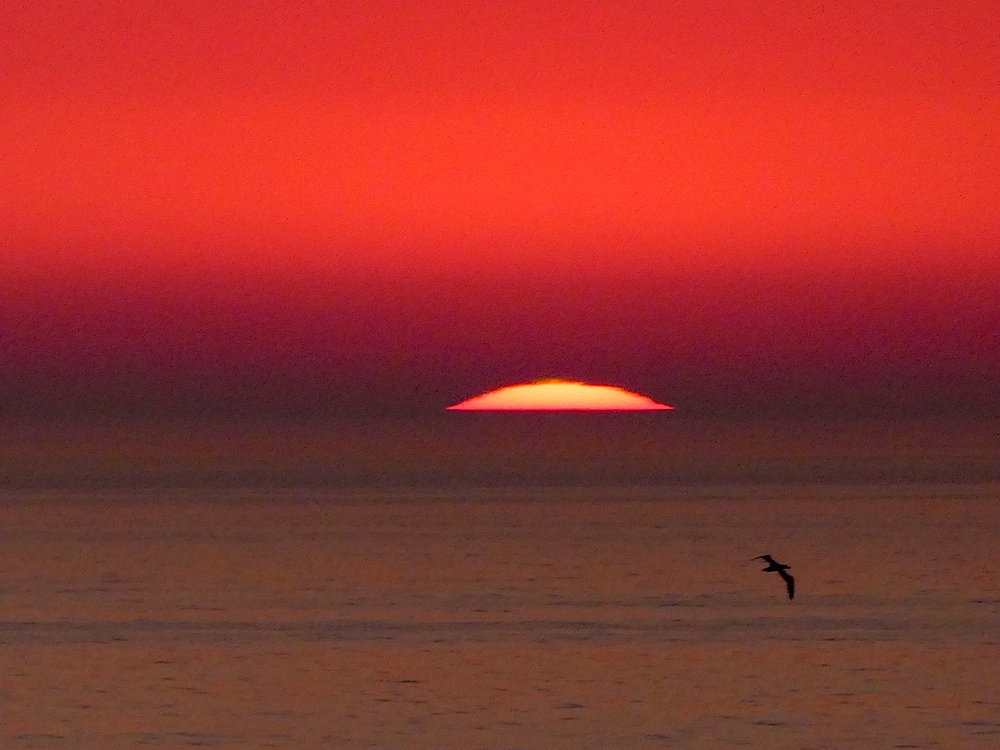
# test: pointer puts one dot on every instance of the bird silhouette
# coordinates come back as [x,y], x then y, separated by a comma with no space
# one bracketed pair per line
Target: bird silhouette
[773,566]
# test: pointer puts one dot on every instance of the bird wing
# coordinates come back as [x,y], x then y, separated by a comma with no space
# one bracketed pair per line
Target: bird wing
[789,582]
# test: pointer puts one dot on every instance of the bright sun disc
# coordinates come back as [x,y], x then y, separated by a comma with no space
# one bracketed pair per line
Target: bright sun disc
[560,395]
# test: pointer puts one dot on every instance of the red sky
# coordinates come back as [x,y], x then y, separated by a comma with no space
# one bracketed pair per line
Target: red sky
[721,204]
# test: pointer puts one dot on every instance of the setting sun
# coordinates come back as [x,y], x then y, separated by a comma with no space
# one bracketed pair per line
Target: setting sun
[560,395]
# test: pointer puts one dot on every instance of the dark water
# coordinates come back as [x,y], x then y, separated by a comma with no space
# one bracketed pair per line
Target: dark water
[565,584]
[498,450]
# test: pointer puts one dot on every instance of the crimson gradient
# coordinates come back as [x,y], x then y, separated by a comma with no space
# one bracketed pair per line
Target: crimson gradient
[389,206]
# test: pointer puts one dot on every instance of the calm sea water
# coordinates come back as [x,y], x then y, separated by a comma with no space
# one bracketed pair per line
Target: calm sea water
[458,450]
[142,608]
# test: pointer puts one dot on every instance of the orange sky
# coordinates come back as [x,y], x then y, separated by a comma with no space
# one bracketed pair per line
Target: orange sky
[670,125]
[148,147]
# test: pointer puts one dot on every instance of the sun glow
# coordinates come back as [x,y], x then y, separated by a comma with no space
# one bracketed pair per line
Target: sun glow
[560,395]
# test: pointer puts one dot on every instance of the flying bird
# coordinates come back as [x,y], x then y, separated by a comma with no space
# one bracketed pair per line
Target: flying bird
[773,566]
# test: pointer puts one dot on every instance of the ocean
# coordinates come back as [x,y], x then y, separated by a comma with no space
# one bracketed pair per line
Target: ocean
[479,583]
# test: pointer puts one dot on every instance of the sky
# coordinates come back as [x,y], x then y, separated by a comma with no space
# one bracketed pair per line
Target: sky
[375,207]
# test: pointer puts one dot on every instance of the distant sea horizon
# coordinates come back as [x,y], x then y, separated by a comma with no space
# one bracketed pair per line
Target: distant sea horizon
[495,450]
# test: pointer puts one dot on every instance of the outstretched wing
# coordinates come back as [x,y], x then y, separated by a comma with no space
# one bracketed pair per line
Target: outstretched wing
[789,582]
